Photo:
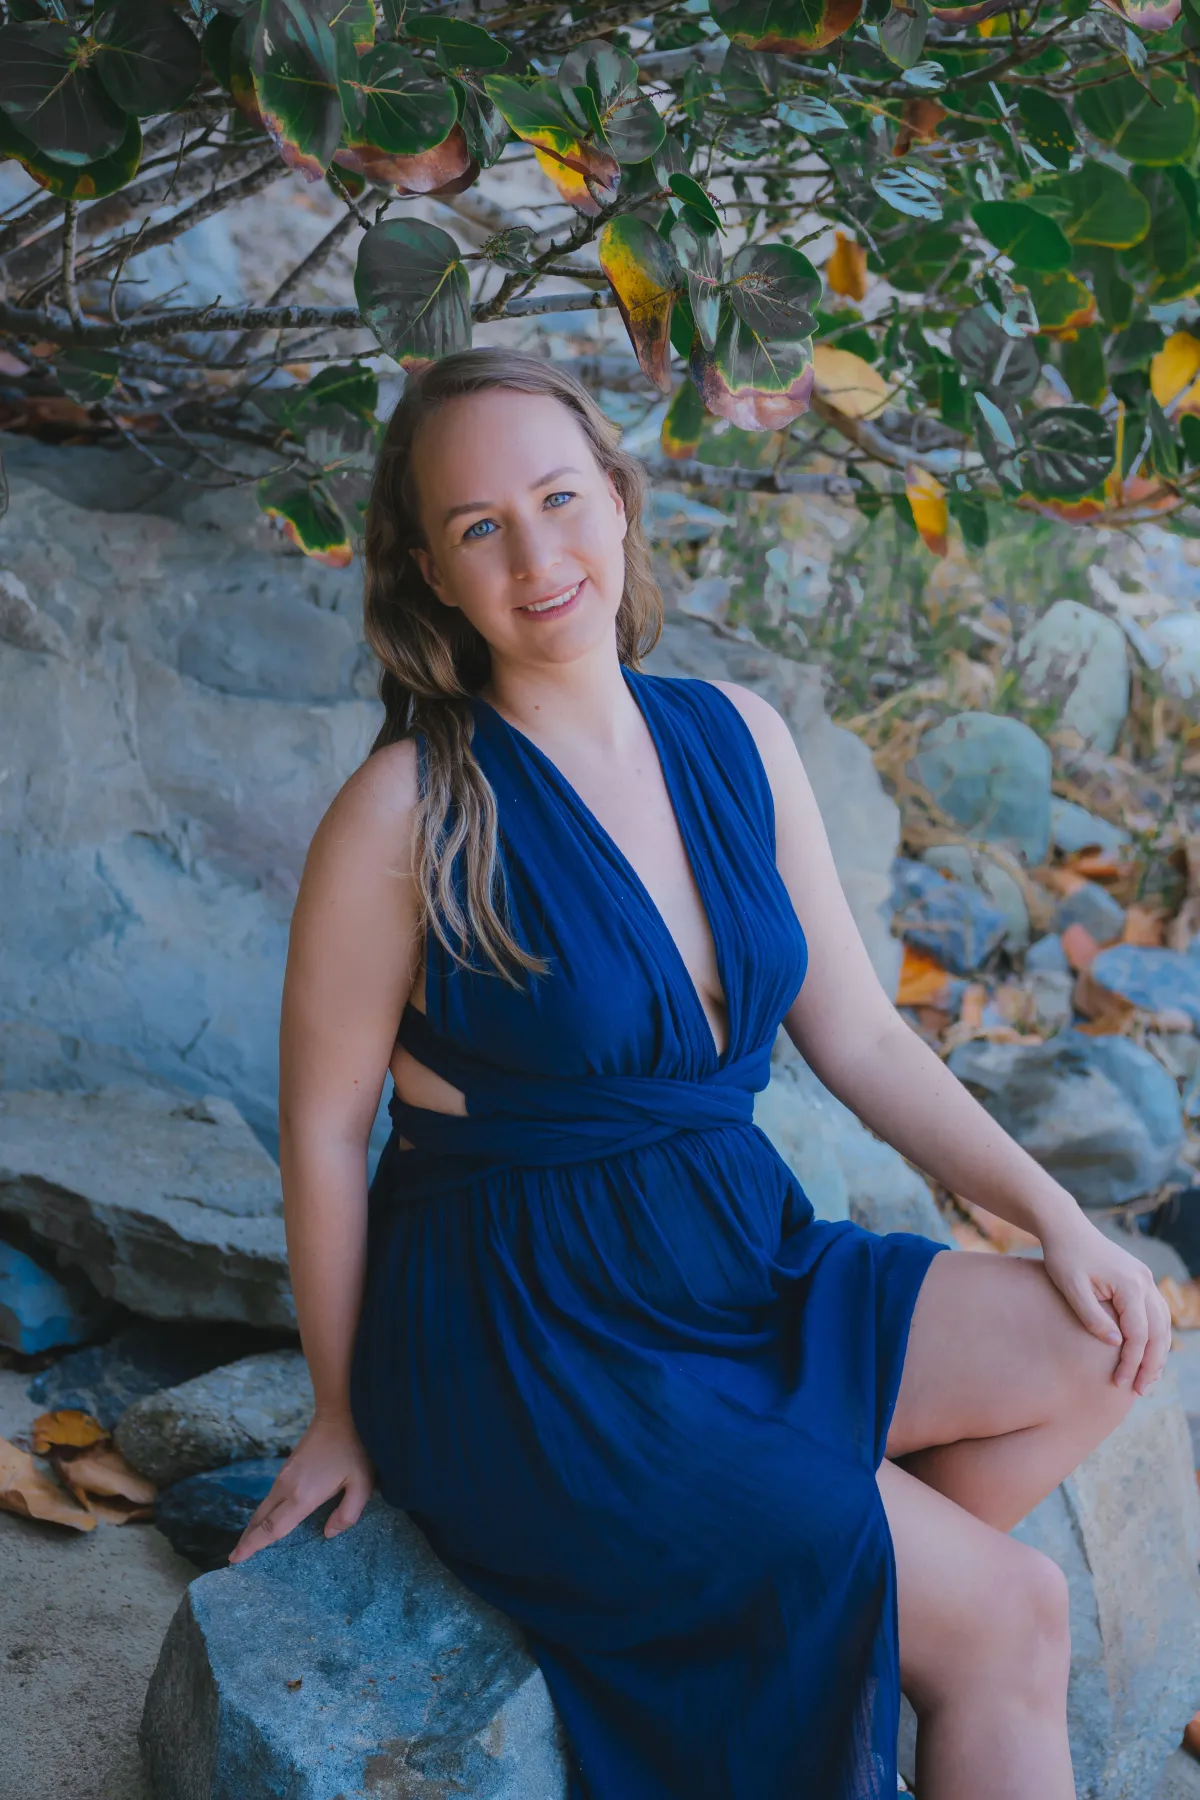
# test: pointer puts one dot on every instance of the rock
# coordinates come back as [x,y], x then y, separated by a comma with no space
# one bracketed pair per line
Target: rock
[1177,1051]
[1073,828]
[40,1310]
[1052,991]
[1094,908]
[1159,980]
[1177,1223]
[1048,956]
[948,918]
[1160,1257]
[1074,659]
[991,774]
[203,1516]
[1099,1113]
[674,518]
[260,1406]
[1124,1528]
[1179,1778]
[1177,637]
[22,625]
[168,1204]
[962,862]
[846,1172]
[1184,1365]
[139,1360]
[862,823]
[306,1671]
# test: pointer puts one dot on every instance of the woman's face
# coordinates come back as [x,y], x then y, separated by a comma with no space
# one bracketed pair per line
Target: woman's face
[523,529]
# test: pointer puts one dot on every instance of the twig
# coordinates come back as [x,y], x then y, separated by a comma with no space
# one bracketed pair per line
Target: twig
[343,193]
[748,481]
[290,285]
[68,266]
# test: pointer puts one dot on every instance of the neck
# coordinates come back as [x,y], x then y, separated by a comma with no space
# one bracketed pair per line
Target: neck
[585,700]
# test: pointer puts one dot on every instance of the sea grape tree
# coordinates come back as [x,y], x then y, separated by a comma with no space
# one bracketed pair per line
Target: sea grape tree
[1003,201]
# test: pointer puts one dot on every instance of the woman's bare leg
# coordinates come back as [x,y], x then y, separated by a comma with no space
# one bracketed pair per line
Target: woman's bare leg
[1003,1393]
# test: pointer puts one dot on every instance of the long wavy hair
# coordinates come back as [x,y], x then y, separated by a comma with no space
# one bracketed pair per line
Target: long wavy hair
[432,660]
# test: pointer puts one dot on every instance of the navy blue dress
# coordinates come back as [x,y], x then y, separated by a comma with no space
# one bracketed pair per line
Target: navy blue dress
[608,1360]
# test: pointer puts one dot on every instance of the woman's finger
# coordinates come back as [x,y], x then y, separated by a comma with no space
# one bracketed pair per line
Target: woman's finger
[1135,1329]
[271,1520]
[1158,1343]
[349,1509]
[1094,1314]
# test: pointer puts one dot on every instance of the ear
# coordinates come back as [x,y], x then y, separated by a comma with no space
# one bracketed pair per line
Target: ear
[619,504]
[429,571]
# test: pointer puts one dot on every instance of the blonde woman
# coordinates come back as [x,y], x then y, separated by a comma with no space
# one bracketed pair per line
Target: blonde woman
[739,1473]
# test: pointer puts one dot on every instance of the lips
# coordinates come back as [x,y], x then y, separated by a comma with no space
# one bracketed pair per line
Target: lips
[553,603]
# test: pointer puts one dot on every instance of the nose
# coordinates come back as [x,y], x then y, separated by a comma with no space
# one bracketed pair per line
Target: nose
[533,550]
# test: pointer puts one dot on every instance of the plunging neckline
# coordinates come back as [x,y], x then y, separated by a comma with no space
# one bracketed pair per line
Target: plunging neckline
[627,869]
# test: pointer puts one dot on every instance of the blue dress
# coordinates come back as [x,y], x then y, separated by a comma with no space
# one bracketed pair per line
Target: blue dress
[632,1390]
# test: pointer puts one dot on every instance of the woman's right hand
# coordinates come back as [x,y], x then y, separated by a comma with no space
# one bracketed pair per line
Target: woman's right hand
[329,1459]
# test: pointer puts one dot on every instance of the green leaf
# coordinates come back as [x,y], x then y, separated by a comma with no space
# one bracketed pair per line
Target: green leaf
[1169,242]
[645,279]
[87,375]
[1152,121]
[910,189]
[1102,207]
[464,45]
[774,291]
[1082,365]
[683,327]
[391,103]
[412,290]
[354,18]
[1189,431]
[1069,451]
[295,78]
[810,116]
[75,181]
[996,422]
[310,517]
[215,45]
[621,117]
[1114,295]
[902,33]
[992,360]
[683,426]
[759,385]
[537,113]
[748,80]
[350,385]
[53,98]
[1047,126]
[1061,301]
[149,61]
[698,249]
[483,127]
[784,25]
[685,188]
[970,512]
[1164,448]
[1031,239]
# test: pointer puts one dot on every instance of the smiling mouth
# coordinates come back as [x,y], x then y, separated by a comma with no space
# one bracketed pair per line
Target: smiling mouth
[556,602]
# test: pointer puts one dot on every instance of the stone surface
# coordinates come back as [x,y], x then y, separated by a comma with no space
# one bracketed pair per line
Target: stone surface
[862,822]
[1179,1778]
[203,1516]
[1184,1364]
[169,1204]
[139,1360]
[1048,954]
[1160,1257]
[1177,637]
[260,1406]
[1100,1113]
[1125,1528]
[949,919]
[973,865]
[1073,828]
[1094,908]
[846,1172]
[306,1671]
[1157,979]
[43,1311]
[1052,991]
[1074,659]
[991,775]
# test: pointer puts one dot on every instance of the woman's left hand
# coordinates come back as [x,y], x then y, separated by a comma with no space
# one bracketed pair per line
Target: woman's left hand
[1100,1282]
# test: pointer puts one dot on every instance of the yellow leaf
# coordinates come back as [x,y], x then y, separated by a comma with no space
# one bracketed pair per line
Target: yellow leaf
[931,515]
[846,270]
[67,1427]
[1175,374]
[25,1490]
[849,383]
[569,182]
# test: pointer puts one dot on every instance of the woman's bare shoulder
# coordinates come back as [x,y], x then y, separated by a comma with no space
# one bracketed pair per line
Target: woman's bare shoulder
[766,724]
[373,810]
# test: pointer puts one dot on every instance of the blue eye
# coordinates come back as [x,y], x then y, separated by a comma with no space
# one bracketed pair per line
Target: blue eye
[555,499]
[481,528]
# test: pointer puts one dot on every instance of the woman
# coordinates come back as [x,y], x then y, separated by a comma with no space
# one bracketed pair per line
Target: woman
[739,1473]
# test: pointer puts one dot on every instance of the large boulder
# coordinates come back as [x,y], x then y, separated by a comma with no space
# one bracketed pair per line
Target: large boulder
[862,822]
[347,1665]
[260,1406]
[168,1204]
[991,775]
[1074,660]
[1101,1114]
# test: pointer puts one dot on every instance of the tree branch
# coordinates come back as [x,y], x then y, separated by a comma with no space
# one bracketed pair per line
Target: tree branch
[746,481]
[70,292]
[291,284]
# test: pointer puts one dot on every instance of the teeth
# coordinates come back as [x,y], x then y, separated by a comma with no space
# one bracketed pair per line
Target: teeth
[541,606]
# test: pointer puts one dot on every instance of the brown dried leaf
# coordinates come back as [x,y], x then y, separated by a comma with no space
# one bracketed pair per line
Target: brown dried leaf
[923,979]
[25,1490]
[67,1427]
[101,1469]
[1183,1299]
[1109,1014]
[1144,925]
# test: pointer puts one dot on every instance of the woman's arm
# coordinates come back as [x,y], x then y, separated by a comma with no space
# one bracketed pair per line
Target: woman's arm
[352,957]
[849,1032]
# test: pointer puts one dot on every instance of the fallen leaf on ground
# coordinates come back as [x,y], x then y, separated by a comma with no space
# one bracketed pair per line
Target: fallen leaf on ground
[973,1002]
[1107,1013]
[1144,925]
[1079,947]
[25,1490]
[101,1469]
[1183,1299]
[67,1427]
[1062,881]
[923,980]
[1101,865]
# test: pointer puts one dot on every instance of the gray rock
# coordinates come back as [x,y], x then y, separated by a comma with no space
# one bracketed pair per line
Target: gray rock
[1124,1529]
[846,1172]
[1184,1364]
[1052,991]
[203,1516]
[308,1671]
[1099,1113]
[991,774]
[1158,1256]
[950,919]
[168,1204]
[1048,955]
[1160,980]
[260,1406]
[1177,637]
[967,863]
[139,1360]
[1074,658]
[862,823]
[1094,908]
[22,625]
[1073,828]
[1179,1778]
[674,518]
[43,1311]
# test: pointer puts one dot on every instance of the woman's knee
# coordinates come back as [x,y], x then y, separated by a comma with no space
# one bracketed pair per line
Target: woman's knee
[1010,1635]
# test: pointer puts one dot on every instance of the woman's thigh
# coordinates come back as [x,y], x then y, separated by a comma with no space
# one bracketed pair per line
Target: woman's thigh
[993,1347]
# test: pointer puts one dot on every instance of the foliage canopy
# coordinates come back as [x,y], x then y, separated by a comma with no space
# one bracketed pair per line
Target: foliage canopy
[1009,309]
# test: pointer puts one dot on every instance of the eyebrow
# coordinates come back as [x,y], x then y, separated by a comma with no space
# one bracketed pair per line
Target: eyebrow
[470,506]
